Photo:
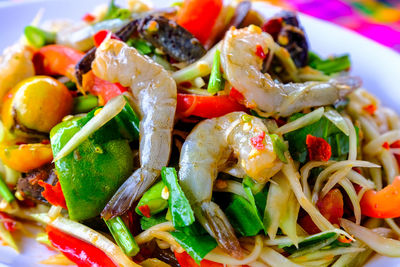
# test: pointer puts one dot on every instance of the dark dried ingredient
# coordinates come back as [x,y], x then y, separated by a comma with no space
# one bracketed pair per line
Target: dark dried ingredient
[287,32]
[29,186]
[173,39]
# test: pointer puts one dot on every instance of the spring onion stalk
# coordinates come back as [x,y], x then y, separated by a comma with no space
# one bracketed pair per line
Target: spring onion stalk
[275,259]
[89,235]
[200,68]
[38,37]
[288,222]
[307,119]
[382,245]
[277,200]
[85,103]
[333,116]
[5,192]
[123,236]
[110,110]
[216,82]
[6,236]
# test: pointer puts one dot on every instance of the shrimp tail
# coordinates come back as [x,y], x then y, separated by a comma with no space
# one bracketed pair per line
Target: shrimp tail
[216,223]
[130,191]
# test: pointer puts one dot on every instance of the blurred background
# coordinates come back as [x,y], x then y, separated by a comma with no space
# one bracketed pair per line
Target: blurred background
[376,19]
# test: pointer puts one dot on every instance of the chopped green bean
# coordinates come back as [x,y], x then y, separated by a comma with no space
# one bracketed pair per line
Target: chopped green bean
[216,82]
[123,236]
[5,192]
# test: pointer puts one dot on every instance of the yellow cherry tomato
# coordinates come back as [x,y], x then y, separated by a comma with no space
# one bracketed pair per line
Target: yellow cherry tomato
[26,157]
[36,104]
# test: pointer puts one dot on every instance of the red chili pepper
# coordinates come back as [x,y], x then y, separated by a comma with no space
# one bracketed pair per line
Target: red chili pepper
[145,210]
[260,52]
[206,106]
[199,17]
[386,146]
[370,109]
[330,206]
[79,252]
[99,37]
[396,144]
[258,141]
[9,223]
[236,95]
[384,203]
[185,260]
[318,148]
[88,18]
[273,27]
[53,194]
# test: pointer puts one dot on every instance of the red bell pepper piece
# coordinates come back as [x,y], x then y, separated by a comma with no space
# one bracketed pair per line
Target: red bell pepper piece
[53,194]
[185,260]
[99,37]
[330,206]
[318,148]
[78,251]
[206,106]
[199,17]
[9,223]
[384,203]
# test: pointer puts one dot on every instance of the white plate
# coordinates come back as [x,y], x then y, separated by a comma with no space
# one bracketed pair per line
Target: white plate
[378,66]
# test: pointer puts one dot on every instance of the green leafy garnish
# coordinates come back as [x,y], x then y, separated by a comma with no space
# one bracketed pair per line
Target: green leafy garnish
[330,65]
[279,147]
[38,37]
[115,12]
[141,45]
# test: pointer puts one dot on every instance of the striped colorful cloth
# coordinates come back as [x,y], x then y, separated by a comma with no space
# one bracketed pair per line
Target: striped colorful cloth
[375,19]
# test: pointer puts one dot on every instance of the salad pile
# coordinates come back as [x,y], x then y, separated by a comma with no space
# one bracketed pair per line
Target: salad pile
[199,134]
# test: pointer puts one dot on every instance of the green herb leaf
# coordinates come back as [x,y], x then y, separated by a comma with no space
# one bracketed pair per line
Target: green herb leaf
[330,65]
[141,45]
[311,241]
[115,12]
[279,147]
[146,223]
[182,213]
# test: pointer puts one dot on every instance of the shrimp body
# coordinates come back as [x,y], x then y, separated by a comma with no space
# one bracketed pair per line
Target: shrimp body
[15,66]
[154,93]
[242,65]
[206,152]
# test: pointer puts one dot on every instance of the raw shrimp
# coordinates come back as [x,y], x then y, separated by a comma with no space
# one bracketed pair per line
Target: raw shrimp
[242,65]
[206,152]
[15,66]
[154,93]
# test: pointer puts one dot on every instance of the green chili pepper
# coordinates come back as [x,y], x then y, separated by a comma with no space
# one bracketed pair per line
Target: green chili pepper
[5,192]
[84,103]
[146,223]
[123,236]
[38,37]
[216,82]
[153,199]
[182,213]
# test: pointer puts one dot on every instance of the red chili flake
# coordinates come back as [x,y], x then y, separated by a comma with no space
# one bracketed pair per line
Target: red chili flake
[386,145]
[53,194]
[88,18]
[258,141]
[370,109]
[396,144]
[145,210]
[236,95]
[9,223]
[318,148]
[186,84]
[260,52]
[99,37]
[357,170]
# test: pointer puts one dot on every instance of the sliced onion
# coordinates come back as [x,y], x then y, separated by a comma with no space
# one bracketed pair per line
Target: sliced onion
[87,234]
[382,245]
[302,121]
[275,259]
[375,146]
[109,111]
